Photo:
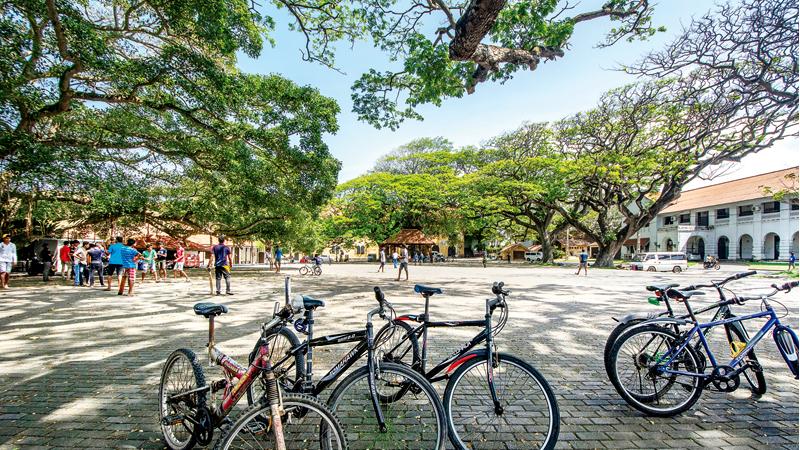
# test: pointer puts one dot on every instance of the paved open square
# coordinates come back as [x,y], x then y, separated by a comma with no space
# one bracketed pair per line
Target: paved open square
[80,367]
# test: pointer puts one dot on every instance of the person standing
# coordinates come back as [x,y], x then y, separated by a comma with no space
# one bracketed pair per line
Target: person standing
[149,262]
[382,259]
[394,258]
[47,262]
[278,258]
[223,264]
[403,262]
[792,261]
[180,260]
[8,258]
[161,260]
[78,263]
[95,263]
[583,263]
[65,259]
[115,262]
[128,256]
[483,259]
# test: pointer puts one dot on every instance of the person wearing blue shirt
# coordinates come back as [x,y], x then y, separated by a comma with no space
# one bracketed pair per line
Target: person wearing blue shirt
[792,261]
[129,256]
[278,258]
[115,262]
[583,263]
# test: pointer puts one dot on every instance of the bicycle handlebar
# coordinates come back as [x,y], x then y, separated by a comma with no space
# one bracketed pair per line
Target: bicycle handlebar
[785,287]
[715,284]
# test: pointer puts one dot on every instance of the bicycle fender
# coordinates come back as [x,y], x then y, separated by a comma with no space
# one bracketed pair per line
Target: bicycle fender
[637,316]
[787,349]
[455,364]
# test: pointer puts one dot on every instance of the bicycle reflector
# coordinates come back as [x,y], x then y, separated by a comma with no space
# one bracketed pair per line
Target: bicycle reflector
[654,300]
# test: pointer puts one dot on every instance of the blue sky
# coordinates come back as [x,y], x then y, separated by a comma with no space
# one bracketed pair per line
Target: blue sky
[556,89]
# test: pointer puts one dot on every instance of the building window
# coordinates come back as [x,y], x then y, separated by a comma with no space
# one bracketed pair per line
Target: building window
[723,213]
[685,218]
[745,210]
[794,204]
[669,220]
[702,219]
[360,249]
[771,207]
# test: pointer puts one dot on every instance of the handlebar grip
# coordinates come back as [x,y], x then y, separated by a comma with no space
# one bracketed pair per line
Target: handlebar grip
[379,296]
[744,274]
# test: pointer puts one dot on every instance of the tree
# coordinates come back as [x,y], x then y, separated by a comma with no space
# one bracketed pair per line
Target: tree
[136,110]
[446,48]
[424,155]
[519,184]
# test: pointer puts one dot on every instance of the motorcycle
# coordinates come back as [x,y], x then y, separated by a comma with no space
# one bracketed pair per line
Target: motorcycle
[711,263]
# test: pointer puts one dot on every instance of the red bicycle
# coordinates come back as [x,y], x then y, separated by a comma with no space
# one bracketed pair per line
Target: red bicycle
[277,420]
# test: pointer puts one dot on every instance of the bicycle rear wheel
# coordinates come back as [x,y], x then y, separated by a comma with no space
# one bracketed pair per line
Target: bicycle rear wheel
[182,373]
[288,373]
[307,424]
[303,270]
[638,357]
[397,343]
[317,270]
[527,417]
[414,421]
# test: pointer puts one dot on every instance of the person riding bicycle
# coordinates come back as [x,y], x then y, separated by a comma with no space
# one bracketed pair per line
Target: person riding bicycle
[317,260]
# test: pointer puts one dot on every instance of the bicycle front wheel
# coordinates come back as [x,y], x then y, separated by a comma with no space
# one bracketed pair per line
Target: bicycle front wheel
[414,421]
[182,373]
[526,416]
[303,270]
[307,424]
[317,270]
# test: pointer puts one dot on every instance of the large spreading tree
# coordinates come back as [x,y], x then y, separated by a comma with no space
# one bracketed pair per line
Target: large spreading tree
[113,110]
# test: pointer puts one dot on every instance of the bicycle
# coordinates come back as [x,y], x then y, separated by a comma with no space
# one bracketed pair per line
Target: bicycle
[280,421]
[502,410]
[313,269]
[653,354]
[416,421]
[735,333]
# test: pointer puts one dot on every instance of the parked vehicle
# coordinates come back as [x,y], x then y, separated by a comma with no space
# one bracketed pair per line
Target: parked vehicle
[438,257]
[660,262]
[533,257]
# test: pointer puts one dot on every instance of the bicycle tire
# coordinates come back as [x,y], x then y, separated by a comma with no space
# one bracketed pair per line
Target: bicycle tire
[612,337]
[256,389]
[692,364]
[198,399]
[754,376]
[303,270]
[406,353]
[508,427]
[425,427]
[317,270]
[323,427]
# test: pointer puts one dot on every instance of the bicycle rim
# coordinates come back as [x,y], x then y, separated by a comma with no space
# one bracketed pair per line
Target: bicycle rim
[307,424]
[529,417]
[182,372]
[414,421]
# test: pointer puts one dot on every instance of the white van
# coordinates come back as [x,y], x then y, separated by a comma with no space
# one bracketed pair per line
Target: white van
[660,262]
[533,257]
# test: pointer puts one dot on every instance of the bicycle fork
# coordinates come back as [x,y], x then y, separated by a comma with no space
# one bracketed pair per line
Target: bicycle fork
[275,410]
[491,363]
[371,371]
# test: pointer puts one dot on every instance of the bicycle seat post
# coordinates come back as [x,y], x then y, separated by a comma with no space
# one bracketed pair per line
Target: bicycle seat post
[210,340]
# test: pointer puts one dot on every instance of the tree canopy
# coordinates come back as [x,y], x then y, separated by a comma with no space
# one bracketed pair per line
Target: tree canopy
[137,110]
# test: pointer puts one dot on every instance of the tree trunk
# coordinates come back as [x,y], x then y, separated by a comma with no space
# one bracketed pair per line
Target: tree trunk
[547,250]
[606,253]
[473,26]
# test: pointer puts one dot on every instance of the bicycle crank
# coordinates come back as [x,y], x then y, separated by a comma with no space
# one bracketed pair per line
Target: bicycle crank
[204,427]
[725,378]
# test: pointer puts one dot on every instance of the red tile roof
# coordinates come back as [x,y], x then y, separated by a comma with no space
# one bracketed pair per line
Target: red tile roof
[409,236]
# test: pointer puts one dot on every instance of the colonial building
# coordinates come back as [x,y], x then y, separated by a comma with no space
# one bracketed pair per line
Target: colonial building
[733,220]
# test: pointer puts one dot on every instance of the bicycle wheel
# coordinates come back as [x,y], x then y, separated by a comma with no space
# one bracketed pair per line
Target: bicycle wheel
[637,357]
[414,421]
[182,372]
[753,374]
[528,418]
[612,337]
[307,424]
[287,373]
[303,270]
[397,343]
[317,270]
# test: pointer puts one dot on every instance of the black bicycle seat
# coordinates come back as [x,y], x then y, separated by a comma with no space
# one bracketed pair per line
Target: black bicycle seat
[312,303]
[426,290]
[209,309]
[683,295]
[661,287]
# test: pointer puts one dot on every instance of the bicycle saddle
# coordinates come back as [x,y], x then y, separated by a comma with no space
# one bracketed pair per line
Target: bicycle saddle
[661,287]
[683,295]
[312,303]
[209,309]
[426,290]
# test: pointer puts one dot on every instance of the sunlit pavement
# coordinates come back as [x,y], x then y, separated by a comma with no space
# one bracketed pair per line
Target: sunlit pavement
[80,367]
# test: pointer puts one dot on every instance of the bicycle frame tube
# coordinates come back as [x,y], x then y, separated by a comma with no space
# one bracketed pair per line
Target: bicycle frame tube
[772,322]
[246,377]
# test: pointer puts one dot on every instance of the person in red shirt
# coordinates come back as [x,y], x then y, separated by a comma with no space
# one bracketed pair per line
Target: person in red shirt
[180,260]
[65,257]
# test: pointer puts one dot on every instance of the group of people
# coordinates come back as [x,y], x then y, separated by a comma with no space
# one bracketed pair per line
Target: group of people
[87,263]
[399,256]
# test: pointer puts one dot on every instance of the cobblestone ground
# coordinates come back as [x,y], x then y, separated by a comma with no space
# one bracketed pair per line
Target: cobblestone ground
[79,368]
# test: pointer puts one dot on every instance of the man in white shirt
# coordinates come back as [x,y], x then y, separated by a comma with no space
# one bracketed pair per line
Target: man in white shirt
[382,259]
[403,262]
[78,262]
[8,258]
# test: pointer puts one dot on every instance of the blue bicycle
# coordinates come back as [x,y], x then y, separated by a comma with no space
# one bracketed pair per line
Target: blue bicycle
[659,372]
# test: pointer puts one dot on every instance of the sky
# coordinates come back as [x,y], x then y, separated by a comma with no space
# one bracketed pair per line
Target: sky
[556,89]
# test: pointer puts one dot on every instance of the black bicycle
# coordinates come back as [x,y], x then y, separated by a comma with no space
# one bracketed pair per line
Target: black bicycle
[416,421]
[735,332]
[492,399]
